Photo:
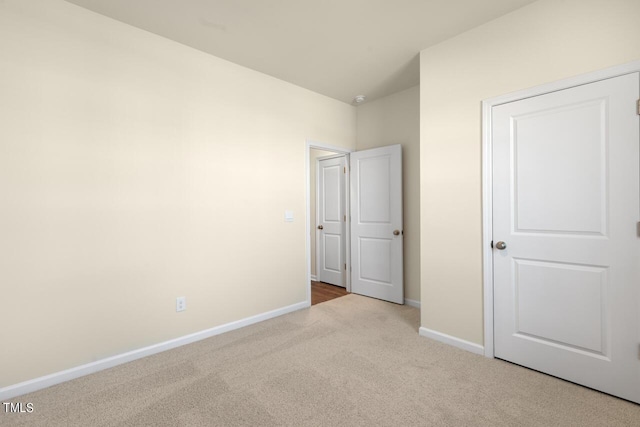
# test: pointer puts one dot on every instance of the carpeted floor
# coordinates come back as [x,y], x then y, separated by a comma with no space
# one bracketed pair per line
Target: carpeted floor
[353,361]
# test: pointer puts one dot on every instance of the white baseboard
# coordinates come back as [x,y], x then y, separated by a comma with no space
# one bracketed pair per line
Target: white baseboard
[412,303]
[314,277]
[456,342]
[99,365]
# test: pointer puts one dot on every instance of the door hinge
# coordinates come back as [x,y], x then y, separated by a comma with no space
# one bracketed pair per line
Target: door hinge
[638,229]
[345,168]
[638,107]
[345,218]
[345,267]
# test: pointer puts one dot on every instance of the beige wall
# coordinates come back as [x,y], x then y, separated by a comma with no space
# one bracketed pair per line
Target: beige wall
[543,42]
[134,170]
[313,156]
[395,119]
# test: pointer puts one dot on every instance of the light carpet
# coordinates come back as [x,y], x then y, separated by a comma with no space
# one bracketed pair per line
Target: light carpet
[352,361]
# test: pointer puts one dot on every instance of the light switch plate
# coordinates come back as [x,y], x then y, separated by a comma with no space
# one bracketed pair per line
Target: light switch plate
[288,216]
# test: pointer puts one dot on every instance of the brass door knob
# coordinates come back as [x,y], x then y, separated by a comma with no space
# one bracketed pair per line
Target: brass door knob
[320,227]
[501,245]
[396,232]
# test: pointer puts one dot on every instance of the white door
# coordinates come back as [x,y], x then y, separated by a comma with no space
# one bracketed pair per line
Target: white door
[331,220]
[376,223]
[566,254]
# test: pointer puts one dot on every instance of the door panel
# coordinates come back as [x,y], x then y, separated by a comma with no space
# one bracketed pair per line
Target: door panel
[576,313]
[376,212]
[374,192]
[545,178]
[566,201]
[332,244]
[331,217]
[371,252]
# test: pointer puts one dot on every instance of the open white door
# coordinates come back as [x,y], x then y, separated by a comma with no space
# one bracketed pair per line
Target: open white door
[331,220]
[566,252]
[376,223]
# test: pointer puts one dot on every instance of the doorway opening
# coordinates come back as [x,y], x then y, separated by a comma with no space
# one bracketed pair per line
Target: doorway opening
[318,291]
[372,263]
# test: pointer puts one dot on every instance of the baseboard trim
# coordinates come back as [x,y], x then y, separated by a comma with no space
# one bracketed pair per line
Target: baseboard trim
[314,277]
[453,341]
[99,365]
[412,303]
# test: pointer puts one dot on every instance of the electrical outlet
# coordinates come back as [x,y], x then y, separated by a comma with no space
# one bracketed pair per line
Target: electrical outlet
[181,304]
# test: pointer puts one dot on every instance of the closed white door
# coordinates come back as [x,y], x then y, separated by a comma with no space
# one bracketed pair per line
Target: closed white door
[566,204]
[376,223]
[331,220]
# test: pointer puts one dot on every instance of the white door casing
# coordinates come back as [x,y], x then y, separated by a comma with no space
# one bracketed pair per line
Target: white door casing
[566,202]
[376,223]
[331,220]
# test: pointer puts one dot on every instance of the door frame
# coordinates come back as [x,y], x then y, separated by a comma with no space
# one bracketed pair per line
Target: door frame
[487,175]
[309,144]
[346,200]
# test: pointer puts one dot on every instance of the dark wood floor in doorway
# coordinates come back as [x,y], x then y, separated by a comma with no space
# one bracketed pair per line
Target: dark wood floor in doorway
[321,292]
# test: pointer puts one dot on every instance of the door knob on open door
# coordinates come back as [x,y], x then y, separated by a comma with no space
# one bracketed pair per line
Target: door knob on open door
[501,245]
[320,227]
[396,232]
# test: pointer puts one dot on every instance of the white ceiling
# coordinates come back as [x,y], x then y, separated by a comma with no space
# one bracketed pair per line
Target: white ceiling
[339,48]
